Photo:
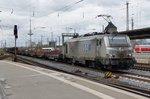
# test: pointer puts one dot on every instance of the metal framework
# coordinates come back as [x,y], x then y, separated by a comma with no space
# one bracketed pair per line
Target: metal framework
[68,35]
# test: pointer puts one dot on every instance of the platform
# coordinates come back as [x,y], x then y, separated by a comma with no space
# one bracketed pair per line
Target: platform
[21,81]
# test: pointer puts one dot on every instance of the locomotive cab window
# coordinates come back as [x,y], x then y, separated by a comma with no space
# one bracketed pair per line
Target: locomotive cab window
[118,41]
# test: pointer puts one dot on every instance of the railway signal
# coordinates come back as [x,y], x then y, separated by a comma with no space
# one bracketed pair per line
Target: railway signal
[15,31]
[16,36]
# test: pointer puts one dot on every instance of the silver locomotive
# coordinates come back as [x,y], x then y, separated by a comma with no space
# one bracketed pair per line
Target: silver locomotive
[109,51]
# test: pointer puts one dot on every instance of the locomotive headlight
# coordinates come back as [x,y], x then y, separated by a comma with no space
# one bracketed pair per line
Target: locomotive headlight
[129,55]
[110,55]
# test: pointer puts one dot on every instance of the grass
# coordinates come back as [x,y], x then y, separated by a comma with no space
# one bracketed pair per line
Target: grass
[1,52]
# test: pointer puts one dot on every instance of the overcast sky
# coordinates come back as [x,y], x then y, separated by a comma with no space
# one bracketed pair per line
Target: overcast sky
[59,16]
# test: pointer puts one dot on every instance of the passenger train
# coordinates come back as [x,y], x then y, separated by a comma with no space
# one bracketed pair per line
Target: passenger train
[142,49]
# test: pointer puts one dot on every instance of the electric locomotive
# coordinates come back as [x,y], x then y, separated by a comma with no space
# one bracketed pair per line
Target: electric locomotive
[108,50]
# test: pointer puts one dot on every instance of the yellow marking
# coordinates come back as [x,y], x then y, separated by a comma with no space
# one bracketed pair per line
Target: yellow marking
[108,74]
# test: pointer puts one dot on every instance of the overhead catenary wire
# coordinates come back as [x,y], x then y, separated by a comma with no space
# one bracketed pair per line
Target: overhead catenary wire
[65,8]
[61,9]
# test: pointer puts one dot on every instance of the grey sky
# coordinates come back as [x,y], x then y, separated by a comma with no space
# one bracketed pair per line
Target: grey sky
[56,15]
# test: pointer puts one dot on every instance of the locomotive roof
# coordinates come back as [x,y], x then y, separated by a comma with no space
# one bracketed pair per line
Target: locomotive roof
[83,38]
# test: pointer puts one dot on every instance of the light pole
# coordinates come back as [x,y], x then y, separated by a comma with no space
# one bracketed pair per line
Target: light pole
[41,40]
[127,16]
[51,36]
[30,33]
[59,40]
[1,44]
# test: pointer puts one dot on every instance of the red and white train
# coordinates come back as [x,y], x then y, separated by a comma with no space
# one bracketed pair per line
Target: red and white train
[142,49]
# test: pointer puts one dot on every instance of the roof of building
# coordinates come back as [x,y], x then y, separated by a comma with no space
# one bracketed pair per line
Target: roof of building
[143,33]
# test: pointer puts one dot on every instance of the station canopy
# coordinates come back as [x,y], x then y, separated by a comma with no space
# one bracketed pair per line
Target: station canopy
[143,33]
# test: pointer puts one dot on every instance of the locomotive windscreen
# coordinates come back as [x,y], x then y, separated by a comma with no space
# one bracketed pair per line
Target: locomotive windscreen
[118,41]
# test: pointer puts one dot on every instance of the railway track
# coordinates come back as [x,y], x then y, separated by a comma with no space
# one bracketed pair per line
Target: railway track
[140,66]
[95,75]
[135,77]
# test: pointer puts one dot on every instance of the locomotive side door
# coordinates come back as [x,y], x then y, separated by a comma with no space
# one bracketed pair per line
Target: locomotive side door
[99,45]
